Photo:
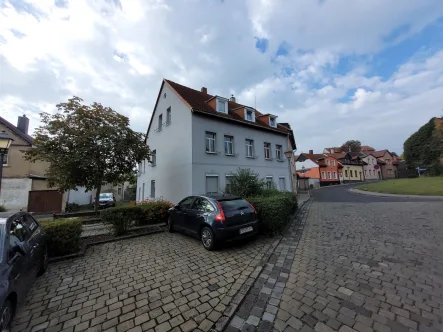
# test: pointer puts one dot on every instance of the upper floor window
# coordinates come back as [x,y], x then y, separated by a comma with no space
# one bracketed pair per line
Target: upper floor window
[154,158]
[278,152]
[168,115]
[160,122]
[333,163]
[267,150]
[222,105]
[210,142]
[328,162]
[388,161]
[249,148]
[272,122]
[229,145]
[249,115]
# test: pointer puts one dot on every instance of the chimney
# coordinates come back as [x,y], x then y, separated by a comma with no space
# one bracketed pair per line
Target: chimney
[204,90]
[311,151]
[23,124]
[232,98]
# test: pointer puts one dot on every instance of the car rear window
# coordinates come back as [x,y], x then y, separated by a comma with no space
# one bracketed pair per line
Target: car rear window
[235,204]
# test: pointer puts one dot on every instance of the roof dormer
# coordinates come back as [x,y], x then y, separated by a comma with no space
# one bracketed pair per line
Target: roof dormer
[249,114]
[269,119]
[221,104]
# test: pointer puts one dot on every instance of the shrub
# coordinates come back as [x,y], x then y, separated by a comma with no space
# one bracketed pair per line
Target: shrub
[63,236]
[274,211]
[121,218]
[72,207]
[245,183]
[155,211]
[2,208]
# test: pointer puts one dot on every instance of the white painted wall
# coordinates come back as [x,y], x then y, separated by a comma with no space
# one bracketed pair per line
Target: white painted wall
[308,164]
[80,196]
[369,171]
[173,172]
[15,193]
[221,165]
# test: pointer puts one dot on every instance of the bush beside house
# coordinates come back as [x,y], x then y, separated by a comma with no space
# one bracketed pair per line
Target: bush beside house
[63,236]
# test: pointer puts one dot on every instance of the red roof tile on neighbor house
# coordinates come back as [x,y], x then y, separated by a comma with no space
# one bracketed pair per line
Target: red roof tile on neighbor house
[378,154]
[197,100]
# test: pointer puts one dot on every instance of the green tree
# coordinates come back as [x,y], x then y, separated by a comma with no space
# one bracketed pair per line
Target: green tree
[87,146]
[245,183]
[351,146]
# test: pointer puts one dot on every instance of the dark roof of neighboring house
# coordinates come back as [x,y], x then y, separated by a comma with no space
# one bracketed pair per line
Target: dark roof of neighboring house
[16,131]
[197,101]
[379,154]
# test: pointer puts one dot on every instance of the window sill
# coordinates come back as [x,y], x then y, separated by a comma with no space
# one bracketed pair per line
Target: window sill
[213,153]
[252,157]
[280,160]
[231,154]
[269,159]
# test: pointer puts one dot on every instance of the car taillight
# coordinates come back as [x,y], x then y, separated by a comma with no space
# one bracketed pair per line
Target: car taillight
[252,206]
[220,216]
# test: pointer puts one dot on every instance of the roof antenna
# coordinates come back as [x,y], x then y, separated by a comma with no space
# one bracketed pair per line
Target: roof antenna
[255,100]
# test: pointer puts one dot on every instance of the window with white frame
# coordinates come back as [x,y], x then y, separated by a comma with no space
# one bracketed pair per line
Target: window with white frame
[272,122]
[333,163]
[328,162]
[269,182]
[168,115]
[222,105]
[335,175]
[388,161]
[210,142]
[282,183]
[249,115]
[160,122]
[278,152]
[154,158]
[329,175]
[229,145]
[143,192]
[323,175]
[249,148]
[211,184]
[267,147]
[152,188]
[228,183]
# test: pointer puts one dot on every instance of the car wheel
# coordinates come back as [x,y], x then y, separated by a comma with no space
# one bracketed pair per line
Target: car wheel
[208,239]
[45,262]
[170,225]
[6,316]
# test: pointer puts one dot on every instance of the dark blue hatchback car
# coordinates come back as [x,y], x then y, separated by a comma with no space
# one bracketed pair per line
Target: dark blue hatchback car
[214,219]
[23,255]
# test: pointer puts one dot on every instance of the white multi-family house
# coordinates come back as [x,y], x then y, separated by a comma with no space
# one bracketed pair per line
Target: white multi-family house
[197,140]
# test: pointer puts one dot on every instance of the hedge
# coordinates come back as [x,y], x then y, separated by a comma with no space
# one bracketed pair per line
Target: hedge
[274,210]
[155,211]
[63,236]
[121,218]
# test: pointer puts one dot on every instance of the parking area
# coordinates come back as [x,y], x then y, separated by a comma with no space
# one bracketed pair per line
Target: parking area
[162,282]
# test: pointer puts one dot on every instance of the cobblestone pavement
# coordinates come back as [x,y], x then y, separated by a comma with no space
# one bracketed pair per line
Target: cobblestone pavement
[376,266]
[161,282]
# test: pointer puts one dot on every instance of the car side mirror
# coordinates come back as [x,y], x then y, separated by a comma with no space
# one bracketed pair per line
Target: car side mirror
[20,249]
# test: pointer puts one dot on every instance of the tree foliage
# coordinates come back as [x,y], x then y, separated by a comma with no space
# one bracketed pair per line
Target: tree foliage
[87,146]
[245,183]
[351,146]
[424,148]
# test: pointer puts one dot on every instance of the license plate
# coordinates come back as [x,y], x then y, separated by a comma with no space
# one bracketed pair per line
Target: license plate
[246,230]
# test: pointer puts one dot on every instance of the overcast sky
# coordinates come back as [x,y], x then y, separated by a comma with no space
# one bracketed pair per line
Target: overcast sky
[370,70]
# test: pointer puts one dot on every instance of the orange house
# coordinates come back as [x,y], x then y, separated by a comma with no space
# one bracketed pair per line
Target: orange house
[328,168]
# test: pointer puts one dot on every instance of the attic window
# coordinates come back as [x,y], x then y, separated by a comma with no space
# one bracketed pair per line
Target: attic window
[272,122]
[222,105]
[249,115]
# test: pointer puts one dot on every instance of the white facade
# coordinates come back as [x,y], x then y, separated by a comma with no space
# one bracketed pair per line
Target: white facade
[369,171]
[15,193]
[182,165]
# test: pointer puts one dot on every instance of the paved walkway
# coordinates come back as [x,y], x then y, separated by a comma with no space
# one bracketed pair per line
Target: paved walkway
[374,265]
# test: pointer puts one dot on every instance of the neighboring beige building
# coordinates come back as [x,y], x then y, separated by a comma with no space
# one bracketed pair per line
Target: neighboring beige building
[24,184]
[371,170]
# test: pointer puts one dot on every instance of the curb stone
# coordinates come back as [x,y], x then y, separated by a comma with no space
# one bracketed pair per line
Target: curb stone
[372,193]
[223,322]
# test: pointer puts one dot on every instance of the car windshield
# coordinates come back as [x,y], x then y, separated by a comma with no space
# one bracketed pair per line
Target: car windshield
[235,204]
[102,196]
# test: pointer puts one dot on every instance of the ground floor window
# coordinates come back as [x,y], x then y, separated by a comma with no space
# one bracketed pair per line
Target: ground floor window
[329,175]
[153,189]
[356,174]
[335,175]
[211,184]
[228,183]
[143,193]
[323,175]
[282,184]
[269,183]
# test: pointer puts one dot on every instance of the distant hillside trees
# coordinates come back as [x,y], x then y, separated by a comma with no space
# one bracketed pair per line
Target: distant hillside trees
[424,148]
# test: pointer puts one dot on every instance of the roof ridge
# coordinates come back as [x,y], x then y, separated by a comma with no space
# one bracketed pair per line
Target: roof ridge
[28,138]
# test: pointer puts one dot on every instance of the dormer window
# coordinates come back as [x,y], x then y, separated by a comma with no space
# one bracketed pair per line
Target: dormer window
[272,122]
[249,114]
[222,105]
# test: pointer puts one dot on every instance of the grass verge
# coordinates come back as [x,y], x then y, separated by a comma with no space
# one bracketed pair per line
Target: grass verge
[427,186]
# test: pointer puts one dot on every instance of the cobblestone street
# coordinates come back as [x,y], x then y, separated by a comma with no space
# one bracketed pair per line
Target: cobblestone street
[161,282]
[362,264]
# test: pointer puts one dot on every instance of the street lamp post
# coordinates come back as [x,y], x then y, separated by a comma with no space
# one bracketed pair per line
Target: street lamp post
[5,143]
[289,153]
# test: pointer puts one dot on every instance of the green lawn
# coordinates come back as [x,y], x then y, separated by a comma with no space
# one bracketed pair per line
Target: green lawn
[419,186]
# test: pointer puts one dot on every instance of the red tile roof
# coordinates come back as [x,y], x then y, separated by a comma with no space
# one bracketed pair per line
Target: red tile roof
[197,101]
[377,154]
